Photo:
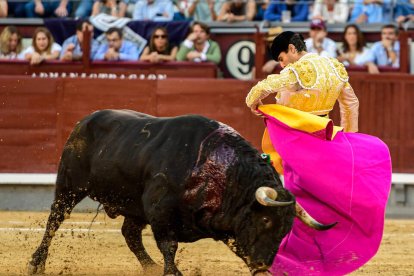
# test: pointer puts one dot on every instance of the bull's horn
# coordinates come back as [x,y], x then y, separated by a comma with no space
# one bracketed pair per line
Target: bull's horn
[310,221]
[266,196]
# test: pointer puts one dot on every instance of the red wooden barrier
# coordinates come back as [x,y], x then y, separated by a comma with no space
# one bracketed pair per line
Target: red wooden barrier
[37,114]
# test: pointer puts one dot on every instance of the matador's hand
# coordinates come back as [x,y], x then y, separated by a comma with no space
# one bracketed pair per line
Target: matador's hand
[255,111]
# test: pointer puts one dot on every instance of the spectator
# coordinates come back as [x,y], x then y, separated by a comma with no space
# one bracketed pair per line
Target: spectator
[16,8]
[10,43]
[332,11]
[180,9]
[72,46]
[404,11]
[370,11]
[154,10]
[109,7]
[3,8]
[198,46]
[159,48]
[130,6]
[299,10]
[353,51]
[261,6]
[39,8]
[201,10]
[237,10]
[117,48]
[43,47]
[318,42]
[84,9]
[385,52]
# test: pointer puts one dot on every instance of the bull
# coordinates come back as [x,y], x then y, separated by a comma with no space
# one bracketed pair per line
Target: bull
[189,177]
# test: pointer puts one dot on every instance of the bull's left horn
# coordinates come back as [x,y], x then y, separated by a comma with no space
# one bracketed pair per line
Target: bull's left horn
[310,221]
[266,196]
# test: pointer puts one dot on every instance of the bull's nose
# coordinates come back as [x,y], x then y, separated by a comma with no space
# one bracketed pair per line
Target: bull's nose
[261,265]
[260,268]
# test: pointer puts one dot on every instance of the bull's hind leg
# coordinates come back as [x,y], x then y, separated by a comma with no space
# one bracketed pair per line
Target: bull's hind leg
[132,231]
[61,207]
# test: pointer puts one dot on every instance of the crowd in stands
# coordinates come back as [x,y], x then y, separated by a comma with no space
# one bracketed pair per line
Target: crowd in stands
[198,46]
[353,50]
[331,11]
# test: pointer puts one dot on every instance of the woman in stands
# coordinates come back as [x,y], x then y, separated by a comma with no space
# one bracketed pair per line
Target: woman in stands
[10,43]
[353,50]
[43,47]
[159,48]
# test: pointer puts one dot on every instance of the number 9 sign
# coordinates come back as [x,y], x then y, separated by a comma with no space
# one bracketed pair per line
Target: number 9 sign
[240,59]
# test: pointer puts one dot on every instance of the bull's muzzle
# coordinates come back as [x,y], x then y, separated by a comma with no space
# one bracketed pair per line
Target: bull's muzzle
[267,197]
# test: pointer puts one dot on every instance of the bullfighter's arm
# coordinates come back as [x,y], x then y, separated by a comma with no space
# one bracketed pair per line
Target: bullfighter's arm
[272,84]
[349,105]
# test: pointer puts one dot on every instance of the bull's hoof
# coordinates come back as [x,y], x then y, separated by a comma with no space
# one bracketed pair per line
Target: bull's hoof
[35,269]
[176,273]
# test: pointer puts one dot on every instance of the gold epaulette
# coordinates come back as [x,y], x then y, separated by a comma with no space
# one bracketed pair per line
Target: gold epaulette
[339,69]
[305,73]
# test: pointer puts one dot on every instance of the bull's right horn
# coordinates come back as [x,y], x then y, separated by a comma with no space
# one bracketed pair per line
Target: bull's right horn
[310,221]
[266,196]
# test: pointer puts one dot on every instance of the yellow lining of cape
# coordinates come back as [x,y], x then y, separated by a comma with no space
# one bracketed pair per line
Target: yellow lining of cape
[300,120]
[295,119]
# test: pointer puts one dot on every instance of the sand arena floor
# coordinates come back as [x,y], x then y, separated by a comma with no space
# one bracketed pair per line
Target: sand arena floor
[75,250]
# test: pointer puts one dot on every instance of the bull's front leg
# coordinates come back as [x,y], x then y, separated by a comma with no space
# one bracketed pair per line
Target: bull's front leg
[168,247]
[132,231]
[160,207]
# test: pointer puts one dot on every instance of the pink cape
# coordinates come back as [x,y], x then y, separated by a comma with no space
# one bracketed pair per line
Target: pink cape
[345,180]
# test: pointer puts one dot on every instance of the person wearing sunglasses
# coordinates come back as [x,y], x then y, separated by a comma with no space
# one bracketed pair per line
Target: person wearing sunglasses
[159,49]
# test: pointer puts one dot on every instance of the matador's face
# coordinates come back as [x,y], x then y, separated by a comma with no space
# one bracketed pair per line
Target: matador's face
[290,56]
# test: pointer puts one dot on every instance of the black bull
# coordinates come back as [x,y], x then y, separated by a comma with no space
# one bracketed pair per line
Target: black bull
[189,177]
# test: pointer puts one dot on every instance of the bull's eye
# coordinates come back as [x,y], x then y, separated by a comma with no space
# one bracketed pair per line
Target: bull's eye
[267,222]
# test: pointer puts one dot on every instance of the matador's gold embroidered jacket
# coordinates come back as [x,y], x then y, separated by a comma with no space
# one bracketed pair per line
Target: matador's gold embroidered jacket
[311,84]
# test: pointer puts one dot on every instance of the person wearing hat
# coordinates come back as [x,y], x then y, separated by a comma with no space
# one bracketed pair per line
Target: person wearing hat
[318,42]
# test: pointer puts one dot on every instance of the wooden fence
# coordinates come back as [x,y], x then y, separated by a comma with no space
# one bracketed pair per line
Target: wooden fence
[37,114]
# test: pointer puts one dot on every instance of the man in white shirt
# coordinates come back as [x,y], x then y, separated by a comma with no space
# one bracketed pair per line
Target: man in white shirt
[318,42]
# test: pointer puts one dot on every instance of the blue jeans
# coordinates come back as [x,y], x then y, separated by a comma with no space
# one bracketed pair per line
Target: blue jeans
[49,6]
[84,9]
[16,9]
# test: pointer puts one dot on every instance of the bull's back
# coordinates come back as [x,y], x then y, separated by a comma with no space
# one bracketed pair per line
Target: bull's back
[123,147]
